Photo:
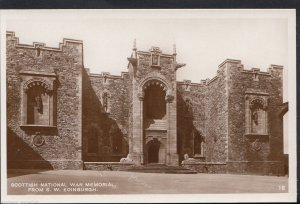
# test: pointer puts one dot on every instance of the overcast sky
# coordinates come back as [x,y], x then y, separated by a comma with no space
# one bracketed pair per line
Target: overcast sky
[204,38]
[202,43]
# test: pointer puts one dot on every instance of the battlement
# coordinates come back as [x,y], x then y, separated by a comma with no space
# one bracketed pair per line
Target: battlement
[10,35]
[240,66]
[253,70]
[108,75]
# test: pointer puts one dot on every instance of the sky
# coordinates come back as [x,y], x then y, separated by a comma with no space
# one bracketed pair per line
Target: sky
[203,38]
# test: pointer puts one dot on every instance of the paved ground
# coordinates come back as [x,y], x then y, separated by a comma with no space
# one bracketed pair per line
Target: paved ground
[120,182]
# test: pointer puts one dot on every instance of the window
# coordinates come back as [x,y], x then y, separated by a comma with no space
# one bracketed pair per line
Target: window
[38,106]
[198,144]
[256,115]
[38,100]
[105,102]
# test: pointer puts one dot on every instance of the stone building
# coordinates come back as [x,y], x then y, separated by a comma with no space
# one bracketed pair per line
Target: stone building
[61,116]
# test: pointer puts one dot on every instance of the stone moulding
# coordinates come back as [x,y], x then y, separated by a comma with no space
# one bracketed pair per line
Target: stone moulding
[149,53]
[256,135]
[155,77]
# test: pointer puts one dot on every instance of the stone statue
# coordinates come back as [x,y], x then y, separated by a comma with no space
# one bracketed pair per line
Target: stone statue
[39,103]
[128,159]
[255,117]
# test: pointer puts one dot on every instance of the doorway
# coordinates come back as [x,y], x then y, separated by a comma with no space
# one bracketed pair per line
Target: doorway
[153,151]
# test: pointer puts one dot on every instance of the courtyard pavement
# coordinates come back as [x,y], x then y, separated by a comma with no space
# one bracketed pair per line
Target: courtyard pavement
[60,182]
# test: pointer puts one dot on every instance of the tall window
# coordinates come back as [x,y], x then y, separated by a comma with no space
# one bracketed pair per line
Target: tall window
[198,144]
[256,115]
[155,102]
[38,99]
[105,101]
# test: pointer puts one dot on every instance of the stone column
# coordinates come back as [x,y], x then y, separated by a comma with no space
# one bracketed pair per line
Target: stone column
[141,98]
[23,107]
[172,156]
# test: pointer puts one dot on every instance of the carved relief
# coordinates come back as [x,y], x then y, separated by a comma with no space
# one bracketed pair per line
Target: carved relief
[256,146]
[38,82]
[38,140]
[170,98]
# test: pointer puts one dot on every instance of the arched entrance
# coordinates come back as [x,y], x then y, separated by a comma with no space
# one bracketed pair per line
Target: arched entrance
[155,121]
[154,116]
[154,101]
[153,151]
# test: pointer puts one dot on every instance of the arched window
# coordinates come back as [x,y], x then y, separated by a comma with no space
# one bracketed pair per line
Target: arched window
[38,101]
[256,115]
[106,102]
[37,106]
[155,101]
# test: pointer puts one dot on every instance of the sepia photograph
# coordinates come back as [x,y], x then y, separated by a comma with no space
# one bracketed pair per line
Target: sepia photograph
[148,105]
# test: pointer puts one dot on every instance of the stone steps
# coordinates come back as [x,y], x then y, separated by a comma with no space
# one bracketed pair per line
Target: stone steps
[149,168]
[157,125]
[160,168]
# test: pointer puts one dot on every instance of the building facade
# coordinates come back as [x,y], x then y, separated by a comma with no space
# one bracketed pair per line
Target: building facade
[61,116]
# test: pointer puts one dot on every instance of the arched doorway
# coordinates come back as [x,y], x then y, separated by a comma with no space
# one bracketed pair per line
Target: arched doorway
[153,151]
[154,101]
[155,121]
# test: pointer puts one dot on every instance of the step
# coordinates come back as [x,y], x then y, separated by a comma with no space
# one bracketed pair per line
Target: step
[158,168]
[156,125]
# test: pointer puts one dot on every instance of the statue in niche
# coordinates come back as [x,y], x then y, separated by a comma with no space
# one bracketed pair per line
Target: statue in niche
[255,116]
[154,59]
[39,103]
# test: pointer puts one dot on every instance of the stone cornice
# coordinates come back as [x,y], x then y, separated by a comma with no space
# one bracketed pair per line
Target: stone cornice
[38,73]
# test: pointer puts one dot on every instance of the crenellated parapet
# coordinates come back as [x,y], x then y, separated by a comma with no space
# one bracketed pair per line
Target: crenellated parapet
[107,75]
[273,70]
[10,36]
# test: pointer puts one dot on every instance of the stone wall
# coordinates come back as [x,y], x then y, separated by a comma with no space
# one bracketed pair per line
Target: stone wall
[254,147]
[62,141]
[190,115]
[216,119]
[110,122]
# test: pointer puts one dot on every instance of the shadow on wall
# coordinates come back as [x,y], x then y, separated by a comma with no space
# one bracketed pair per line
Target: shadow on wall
[21,156]
[185,128]
[102,139]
